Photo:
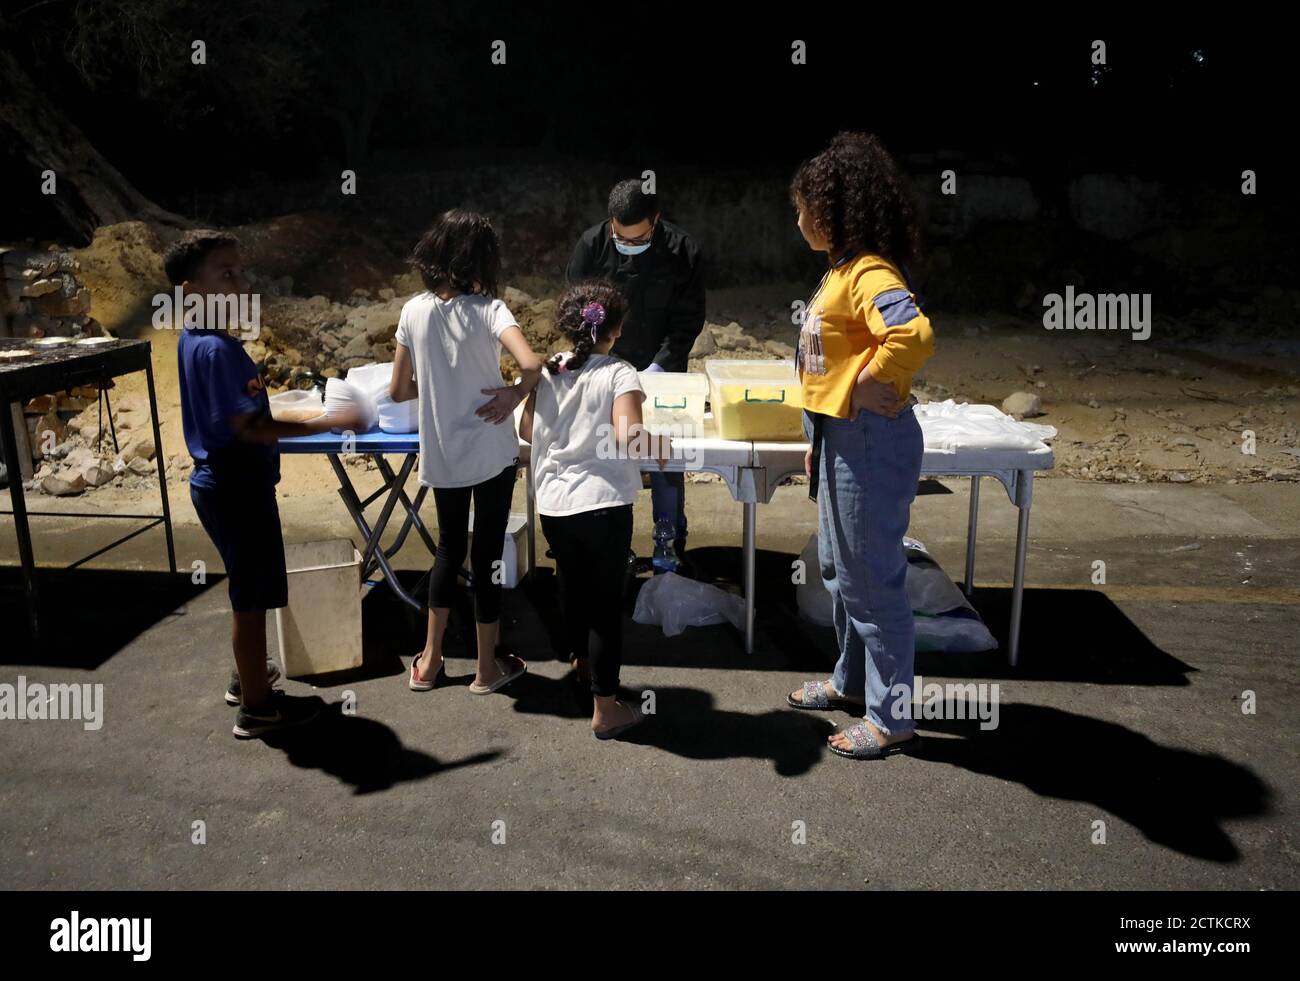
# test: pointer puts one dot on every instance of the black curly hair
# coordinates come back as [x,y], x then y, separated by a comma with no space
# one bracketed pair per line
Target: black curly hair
[184,256]
[460,252]
[859,199]
[571,323]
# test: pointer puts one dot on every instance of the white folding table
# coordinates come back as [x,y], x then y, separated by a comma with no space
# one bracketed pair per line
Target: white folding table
[752,471]
[1014,469]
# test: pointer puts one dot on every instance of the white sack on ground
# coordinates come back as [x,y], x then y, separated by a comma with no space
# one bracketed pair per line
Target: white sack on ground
[674,603]
[945,620]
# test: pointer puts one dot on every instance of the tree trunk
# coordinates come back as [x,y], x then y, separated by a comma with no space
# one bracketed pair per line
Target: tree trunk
[90,191]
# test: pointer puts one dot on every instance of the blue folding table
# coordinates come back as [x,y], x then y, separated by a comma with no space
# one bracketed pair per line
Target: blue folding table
[374,444]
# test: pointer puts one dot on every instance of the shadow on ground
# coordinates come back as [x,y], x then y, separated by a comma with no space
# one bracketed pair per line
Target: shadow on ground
[1066,635]
[89,615]
[1177,798]
[362,753]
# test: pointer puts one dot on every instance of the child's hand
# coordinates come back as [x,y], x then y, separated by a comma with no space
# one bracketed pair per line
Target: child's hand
[346,420]
[504,402]
[876,396]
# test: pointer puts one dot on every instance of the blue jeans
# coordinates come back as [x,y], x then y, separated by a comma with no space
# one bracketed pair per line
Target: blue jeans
[668,497]
[868,474]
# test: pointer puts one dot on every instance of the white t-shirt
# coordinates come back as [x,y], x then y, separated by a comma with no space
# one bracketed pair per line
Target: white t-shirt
[573,434]
[456,347]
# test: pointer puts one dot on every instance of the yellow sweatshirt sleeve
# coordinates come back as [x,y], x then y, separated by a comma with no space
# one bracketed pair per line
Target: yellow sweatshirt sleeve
[903,333]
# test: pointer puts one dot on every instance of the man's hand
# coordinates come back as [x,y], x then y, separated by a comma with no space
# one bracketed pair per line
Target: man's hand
[502,406]
[875,396]
[807,463]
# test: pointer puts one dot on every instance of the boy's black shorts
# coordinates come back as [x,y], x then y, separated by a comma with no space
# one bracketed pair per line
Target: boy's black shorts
[244,523]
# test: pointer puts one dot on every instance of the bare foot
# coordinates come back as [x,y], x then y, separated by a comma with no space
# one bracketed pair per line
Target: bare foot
[501,667]
[615,714]
[843,742]
[430,669]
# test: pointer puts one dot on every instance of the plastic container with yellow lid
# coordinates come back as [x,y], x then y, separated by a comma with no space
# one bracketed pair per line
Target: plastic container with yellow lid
[755,399]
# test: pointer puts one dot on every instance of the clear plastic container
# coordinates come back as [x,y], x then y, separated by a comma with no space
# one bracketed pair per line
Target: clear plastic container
[674,402]
[755,399]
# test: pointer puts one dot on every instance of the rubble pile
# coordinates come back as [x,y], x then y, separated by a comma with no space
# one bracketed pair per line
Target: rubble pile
[43,297]
[79,456]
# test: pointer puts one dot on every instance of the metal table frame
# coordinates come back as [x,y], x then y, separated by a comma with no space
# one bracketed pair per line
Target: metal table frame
[750,481]
[1019,485]
[75,367]
[393,491]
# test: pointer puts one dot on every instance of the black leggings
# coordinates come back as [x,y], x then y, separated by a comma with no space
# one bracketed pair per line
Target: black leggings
[590,552]
[491,514]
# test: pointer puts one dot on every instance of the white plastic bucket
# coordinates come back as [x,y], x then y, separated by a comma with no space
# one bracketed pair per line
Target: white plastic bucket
[320,630]
[514,550]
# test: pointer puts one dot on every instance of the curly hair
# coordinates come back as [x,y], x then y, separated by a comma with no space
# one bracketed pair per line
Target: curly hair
[859,199]
[182,259]
[576,328]
[461,252]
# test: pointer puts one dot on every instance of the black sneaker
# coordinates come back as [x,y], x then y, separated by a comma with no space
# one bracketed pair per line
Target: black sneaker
[283,712]
[234,692]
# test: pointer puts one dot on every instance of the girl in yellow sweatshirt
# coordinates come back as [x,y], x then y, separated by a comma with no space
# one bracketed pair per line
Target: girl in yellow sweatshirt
[862,339]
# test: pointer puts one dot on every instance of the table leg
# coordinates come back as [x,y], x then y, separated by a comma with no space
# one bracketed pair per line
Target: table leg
[413,518]
[162,466]
[968,587]
[1018,588]
[750,554]
[21,526]
[395,491]
[532,516]
[353,504]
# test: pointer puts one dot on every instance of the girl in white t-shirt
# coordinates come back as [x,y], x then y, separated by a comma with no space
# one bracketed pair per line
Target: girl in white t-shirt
[449,341]
[584,424]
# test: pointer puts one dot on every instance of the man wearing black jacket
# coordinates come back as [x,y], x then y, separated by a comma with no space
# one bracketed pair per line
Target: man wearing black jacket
[660,271]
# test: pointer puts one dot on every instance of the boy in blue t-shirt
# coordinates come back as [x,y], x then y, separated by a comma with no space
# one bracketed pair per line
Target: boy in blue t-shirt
[230,434]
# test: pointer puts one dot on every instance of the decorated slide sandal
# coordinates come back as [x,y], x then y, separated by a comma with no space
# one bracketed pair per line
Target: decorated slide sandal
[866,747]
[815,699]
[504,680]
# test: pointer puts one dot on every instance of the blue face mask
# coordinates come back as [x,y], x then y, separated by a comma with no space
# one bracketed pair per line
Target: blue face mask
[630,249]
[625,249]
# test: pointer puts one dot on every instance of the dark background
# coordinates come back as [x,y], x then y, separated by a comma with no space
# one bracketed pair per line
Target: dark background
[405,94]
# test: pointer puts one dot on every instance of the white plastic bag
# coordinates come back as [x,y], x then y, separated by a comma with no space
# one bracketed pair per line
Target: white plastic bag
[340,395]
[393,417]
[297,405]
[944,619]
[950,425]
[674,603]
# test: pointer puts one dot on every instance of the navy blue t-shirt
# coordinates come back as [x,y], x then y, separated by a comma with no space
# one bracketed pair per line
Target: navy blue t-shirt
[218,380]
